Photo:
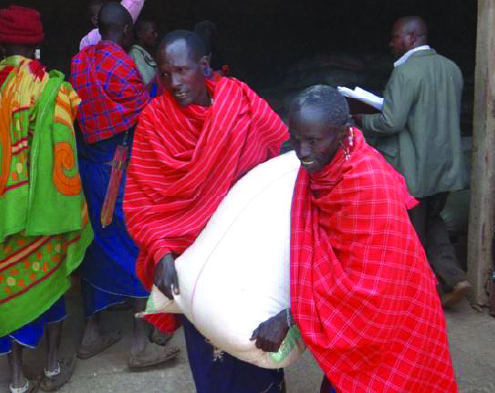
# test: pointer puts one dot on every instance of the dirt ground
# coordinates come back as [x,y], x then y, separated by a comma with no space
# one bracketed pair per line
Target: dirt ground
[472,338]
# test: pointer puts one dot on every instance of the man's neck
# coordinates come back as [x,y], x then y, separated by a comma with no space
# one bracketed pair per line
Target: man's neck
[408,54]
[115,38]
[20,50]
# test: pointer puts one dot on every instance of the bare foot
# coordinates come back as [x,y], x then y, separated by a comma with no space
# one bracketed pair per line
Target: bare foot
[93,342]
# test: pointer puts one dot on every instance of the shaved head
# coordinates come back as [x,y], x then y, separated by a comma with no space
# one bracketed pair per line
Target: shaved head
[115,24]
[194,44]
[408,33]
[113,17]
[413,25]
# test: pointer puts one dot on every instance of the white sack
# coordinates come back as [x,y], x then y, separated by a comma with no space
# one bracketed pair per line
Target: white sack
[236,274]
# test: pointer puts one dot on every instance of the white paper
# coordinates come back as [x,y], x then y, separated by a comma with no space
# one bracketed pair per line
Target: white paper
[362,95]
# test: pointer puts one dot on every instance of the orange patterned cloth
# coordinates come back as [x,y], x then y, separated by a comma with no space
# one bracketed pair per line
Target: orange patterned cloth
[43,215]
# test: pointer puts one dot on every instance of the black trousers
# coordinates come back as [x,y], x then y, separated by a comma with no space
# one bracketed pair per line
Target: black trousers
[432,232]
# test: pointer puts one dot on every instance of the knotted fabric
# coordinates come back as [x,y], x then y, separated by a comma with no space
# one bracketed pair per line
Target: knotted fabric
[185,160]
[20,26]
[362,291]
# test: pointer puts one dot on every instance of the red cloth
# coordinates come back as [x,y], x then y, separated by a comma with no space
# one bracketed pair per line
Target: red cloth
[362,291]
[21,26]
[185,160]
[111,89]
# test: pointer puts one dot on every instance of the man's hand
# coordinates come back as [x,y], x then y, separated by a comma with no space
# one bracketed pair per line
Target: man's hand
[270,334]
[166,277]
[358,119]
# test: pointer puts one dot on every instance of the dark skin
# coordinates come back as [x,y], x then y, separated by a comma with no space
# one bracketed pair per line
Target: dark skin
[182,73]
[115,24]
[407,33]
[183,76]
[147,36]
[123,38]
[26,51]
[268,336]
[316,142]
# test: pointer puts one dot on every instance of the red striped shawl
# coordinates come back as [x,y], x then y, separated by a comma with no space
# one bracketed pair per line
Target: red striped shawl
[362,291]
[185,160]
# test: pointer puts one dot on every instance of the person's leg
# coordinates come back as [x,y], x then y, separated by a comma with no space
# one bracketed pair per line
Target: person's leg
[17,377]
[441,253]
[418,219]
[91,334]
[142,329]
[144,352]
[53,339]
[94,341]
[215,371]
[58,371]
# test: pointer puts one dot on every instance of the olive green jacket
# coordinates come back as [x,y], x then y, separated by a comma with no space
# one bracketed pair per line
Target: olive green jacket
[418,129]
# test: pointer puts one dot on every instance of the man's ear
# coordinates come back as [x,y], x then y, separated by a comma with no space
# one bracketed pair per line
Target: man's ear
[127,30]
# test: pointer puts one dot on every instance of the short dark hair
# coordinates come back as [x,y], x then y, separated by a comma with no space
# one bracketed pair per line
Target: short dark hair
[326,98]
[140,25]
[201,29]
[96,3]
[194,43]
[113,17]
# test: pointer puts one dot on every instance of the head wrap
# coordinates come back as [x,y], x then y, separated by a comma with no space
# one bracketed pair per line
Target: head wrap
[20,25]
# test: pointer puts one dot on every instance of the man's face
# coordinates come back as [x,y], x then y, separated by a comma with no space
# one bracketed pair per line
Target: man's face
[149,34]
[315,141]
[400,40]
[182,75]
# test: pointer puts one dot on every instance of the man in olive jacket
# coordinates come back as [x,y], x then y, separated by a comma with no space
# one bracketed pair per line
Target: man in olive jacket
[418,133]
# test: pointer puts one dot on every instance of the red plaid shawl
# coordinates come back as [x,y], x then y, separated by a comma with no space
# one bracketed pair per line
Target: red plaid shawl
[184,161]
[111,88]
[361,288]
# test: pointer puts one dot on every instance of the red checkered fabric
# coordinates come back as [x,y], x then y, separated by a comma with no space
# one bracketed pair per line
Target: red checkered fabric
[111,88]
[362,291]
[185,160]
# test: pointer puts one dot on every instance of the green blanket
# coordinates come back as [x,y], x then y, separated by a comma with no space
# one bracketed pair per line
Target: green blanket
[44,229]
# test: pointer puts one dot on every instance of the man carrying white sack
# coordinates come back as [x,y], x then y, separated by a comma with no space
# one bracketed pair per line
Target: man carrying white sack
[191,146]
[362,292]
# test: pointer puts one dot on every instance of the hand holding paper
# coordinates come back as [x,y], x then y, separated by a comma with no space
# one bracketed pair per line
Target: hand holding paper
[363,96]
